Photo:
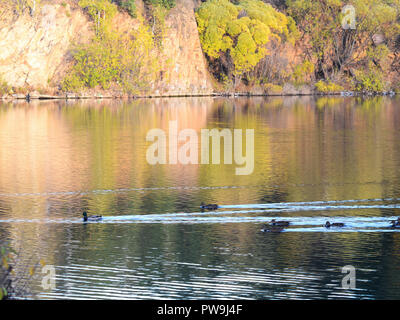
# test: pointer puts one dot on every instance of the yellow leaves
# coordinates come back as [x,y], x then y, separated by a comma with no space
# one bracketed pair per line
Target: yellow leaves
[227,43]
[261,33]
[302,72]
[235,27]
[126,60]
[371,80]
[101,11]
[266,14]
[246,54]
[327,86]
[292,33]
[245,44]
[222,30]
[214,18]
[104,7]
[143,36]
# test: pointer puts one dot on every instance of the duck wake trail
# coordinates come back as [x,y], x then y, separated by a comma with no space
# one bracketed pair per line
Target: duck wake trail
[263,213]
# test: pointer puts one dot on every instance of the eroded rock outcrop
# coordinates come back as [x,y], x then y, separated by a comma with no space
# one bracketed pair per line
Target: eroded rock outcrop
[35,50]
[187,68]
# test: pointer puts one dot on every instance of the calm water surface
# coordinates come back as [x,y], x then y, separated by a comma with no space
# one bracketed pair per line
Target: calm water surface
[315,159]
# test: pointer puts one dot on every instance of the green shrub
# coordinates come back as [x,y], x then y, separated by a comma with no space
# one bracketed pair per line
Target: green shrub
[101,12]
[371,80]
[302,73]
[129,6]
[328,86]
[113,60]
[94,7]
[271,88]
[123,60]
[158,14]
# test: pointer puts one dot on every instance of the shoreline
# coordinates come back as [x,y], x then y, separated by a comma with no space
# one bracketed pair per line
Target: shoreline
[72,96]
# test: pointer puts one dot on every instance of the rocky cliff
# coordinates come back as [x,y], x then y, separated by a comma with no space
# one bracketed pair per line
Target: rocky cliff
[35,48]
[187,69]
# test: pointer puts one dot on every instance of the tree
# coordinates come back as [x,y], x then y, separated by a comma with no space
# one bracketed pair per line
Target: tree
[125,61]
[101,11]
[234,36]
[334,48]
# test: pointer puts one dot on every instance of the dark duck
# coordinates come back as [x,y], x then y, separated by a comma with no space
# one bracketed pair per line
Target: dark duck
[90,218]
[279,223]
[208,206]
[337,224]
[275,226]
[395,223]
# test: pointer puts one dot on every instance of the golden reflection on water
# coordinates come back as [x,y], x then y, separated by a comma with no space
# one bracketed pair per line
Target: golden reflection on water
[339,144]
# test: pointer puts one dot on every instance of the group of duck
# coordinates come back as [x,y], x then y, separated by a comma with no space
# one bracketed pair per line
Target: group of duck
[278,226]
[203,207]
[273,226]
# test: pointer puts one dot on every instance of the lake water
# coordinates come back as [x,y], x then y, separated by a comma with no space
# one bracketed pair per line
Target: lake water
[316,159]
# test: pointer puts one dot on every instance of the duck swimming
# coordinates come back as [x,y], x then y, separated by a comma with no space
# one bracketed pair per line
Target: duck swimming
[338,224]
[395,223]
[279,223]
[90,218]
[209,206]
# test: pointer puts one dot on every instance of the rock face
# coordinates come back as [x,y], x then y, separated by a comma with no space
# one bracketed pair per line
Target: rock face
[34,50]
[186,72]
